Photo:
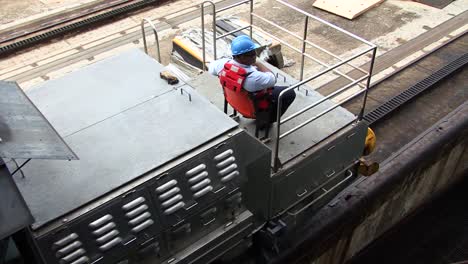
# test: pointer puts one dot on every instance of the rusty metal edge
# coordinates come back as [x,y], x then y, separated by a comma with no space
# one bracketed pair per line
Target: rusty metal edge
[354,204]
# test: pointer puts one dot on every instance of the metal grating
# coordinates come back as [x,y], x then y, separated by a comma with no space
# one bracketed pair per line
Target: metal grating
[435,3]
[425,84]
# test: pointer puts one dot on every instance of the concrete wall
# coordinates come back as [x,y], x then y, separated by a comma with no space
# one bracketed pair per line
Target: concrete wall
[444,149]
[435,160]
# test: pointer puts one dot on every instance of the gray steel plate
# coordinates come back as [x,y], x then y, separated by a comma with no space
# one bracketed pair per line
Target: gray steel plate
[24,132]
[14,214]
[99,91]
[124,144]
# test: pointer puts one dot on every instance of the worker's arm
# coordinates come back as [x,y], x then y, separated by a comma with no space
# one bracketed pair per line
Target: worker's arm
[262,67]
[216,66]
[258,80]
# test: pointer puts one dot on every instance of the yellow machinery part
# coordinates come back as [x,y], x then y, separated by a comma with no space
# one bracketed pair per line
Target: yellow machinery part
[370,142]
[179,42]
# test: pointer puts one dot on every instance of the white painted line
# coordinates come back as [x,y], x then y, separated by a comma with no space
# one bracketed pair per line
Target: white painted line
[409,59]
[350,91]
[30,83]
[459,31]
[10,74]
[381,75]
[57,57]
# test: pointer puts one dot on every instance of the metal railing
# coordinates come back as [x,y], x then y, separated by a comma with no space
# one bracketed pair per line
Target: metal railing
[214,12]
[328,68]
[153,27]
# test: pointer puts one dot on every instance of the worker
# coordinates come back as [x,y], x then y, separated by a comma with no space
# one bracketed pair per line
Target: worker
[258,77]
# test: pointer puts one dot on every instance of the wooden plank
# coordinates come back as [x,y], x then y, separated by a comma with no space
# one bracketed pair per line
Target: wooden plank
[347,8]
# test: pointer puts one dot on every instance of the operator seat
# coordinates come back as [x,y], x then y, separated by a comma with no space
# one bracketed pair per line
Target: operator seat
[250,105]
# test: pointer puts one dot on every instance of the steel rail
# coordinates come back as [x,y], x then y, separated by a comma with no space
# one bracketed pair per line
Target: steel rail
[326,23]
[320,114]
[213,9]
[214,12]
[41,70]
[7,49]
[53,20]
[344,88]
[155,32]
[310,56]
[308,42]
[281,94]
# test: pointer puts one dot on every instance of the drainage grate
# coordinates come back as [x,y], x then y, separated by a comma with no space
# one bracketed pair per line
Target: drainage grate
[435,3]
[392,104]
[60,31]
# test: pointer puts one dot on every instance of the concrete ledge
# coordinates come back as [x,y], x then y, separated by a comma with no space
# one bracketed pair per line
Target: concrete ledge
[425,167]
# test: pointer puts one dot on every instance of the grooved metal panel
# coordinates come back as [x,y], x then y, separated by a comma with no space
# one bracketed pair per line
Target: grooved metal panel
[24,132]
[133,133]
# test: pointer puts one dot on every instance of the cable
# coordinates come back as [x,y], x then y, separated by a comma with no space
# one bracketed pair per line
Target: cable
[19,168]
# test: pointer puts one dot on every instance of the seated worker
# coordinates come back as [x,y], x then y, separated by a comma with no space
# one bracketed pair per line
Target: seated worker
[258,77]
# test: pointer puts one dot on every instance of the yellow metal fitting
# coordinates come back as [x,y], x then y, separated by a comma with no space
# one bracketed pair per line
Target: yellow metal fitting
[370,142]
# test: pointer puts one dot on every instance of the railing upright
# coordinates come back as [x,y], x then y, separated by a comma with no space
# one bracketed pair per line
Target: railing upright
[155,36]
[304,45]
[302,51]
[213,6]
[371,68]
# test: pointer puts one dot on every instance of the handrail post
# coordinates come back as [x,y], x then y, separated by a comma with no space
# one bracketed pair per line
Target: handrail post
[277,139]
[251,19]
[304,44]
[203,31]
[374,54]
[155,36]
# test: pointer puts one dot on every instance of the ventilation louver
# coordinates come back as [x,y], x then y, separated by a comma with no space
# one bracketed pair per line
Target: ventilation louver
[105,232]
[69,250]
[198,180]
[226,165]
[170,198]
[137,213]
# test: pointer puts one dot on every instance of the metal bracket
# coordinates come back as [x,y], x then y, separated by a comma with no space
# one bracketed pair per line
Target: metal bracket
[275,228]
[279,74]
[189,95]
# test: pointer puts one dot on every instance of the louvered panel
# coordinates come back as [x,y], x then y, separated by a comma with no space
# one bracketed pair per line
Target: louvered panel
[226,165]
[105,230]
[69,250]
[170,197]
[137,213]
[198,180]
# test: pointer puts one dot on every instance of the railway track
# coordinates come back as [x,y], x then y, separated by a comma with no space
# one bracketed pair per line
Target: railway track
[25,36]
[87,51]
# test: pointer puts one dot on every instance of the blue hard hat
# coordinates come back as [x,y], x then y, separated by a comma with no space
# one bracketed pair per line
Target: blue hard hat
[242,44]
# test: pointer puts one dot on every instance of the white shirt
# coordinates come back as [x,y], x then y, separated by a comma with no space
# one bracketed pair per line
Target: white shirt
[255,81]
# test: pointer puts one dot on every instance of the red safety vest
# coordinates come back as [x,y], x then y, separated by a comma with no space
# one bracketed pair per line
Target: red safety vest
[232,78]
